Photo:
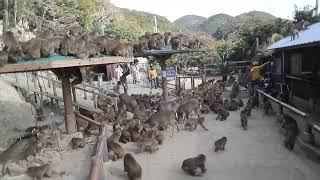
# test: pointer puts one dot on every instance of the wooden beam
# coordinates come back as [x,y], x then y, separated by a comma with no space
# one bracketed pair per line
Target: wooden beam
[55,64]
[69,116]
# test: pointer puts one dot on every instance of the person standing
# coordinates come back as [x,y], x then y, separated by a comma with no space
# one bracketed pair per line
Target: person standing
[135,73]
[152,74]
[119,72]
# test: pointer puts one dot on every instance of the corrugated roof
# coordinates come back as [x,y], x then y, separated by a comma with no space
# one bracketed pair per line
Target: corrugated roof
[310,35]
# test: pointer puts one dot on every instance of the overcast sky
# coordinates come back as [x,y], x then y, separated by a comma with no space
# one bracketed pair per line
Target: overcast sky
[173,9]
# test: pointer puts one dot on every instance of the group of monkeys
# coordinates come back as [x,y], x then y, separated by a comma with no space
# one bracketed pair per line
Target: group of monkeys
[72,41]
[151,116]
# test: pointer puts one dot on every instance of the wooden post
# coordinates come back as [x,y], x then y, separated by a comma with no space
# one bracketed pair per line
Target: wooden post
[84,92]
[70,119]
[96,172]
[74,94]
[55,92]
[164,78]
[94,99]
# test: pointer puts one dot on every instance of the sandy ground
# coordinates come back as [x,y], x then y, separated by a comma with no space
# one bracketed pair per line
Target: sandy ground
[255,154]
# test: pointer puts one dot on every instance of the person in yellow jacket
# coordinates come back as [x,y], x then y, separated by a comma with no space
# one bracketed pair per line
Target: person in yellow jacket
[255,72]
[152,74]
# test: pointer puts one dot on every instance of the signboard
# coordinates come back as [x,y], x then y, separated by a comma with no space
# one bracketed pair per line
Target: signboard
[171,73]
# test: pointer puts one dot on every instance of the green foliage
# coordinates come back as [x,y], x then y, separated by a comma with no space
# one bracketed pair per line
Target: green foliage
[304,13]
[124,34]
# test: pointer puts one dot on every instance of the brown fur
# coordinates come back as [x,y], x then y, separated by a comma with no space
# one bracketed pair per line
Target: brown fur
[223,114]
[78,143]
[220,144]
[193,123]
[12,46]
[244,119]
[38,172]
[117,150]
[195,166]
[132,167]
[124,50]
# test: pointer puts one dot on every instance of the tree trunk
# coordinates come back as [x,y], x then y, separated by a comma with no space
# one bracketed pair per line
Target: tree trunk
[5,16]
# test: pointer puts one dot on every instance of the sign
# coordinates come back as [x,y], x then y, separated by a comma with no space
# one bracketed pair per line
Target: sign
[171,73]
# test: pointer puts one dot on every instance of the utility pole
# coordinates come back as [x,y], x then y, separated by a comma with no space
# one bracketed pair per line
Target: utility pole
[155,25]
[316,8]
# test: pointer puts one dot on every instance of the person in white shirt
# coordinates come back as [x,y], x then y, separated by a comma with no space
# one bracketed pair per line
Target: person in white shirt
[135,74]
[119,72]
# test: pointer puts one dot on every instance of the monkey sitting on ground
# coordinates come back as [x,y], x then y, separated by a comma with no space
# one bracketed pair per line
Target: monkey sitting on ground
[240,102]
[244,119]
[78,143]
[195,166]
[38,172]
[148,144]
[192,123]
[220,144]
[155,132]
[205,109]
[223,114]
[215,107]
[131,166]
[267,107]
[114,138]
[117,149]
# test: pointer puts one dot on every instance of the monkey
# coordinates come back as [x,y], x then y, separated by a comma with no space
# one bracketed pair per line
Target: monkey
[117,150]
[267,107]
[114,138]
[148,144]
[223,114]
[295,30]
[154,132]
[216,106]
[220,144]
[124,50]
[131,166]
[47,34]
[205,109]
[231,105]
[116,126]
[140,46]
[248,109]
[192,123]
[244,119]
[125,136]
[89,50]
[81,124]
[176,44]
[240,102]
[36,48]
[152,43]
[110,45]
[47,48]
[160,43]
[235,90]
[38,172]
[185,110]
[12,46]
[78,143]
[167,38]
[3,58]
[195,166]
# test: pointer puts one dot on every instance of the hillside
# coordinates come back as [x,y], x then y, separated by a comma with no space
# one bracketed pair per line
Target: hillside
[223,22]
[139,22]
[190,24]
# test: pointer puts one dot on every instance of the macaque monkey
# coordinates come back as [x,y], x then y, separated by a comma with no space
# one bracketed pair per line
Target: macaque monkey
[148,144]
[38,172]
[117,150]
[78,143]
[195,166]
[205,109]
[132,167]
[244,119]
[220,144]
[124,50]
[223,114]
[12,46]
[192,123]
[267,107]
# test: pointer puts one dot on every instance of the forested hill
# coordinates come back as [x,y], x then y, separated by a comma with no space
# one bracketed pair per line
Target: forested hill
[223,22]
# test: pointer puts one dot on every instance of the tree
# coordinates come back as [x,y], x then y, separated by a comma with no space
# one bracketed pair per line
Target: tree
[304,13]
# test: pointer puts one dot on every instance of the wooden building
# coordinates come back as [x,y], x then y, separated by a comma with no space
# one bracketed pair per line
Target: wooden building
[296,70]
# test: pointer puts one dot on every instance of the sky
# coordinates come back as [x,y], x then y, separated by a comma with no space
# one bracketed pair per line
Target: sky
[174,9]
